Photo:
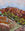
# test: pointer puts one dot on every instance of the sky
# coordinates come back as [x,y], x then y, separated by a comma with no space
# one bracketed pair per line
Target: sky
[13,3]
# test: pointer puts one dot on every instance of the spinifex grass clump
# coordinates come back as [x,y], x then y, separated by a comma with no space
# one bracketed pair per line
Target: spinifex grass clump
[14,14]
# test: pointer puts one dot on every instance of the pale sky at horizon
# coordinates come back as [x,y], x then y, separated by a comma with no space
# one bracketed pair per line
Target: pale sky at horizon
[12,3]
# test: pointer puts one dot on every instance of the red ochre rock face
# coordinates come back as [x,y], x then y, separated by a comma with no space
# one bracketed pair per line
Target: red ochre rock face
[19,29]
[4,28]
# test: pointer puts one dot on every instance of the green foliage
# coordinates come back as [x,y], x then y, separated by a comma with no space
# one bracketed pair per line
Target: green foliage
[22,21]
[4,13]
[16,18]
